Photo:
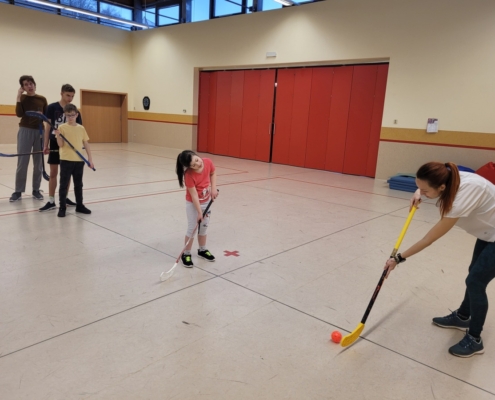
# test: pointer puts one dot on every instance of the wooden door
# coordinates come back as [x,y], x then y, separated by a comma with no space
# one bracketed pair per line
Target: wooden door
[105,116]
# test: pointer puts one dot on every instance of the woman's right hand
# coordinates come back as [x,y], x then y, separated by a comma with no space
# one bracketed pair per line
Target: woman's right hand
[415,200]
[200,217]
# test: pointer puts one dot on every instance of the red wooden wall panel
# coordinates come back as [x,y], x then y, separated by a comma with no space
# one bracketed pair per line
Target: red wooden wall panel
[359,123]
[235,114]
[222,119]
[319,114]
[376,119]
[250,115]
[283,116]
[265,115]
[212,112]
[203,104]
[300,116]
[337,123]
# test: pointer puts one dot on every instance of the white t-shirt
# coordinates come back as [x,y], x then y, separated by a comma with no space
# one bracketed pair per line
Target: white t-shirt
[474,205]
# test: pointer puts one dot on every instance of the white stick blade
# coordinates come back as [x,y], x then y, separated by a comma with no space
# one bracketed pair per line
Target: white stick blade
[167,274]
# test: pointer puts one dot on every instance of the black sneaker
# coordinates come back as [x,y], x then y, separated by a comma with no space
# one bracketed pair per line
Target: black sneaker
[452,321]
[206,255]
[47,207]
[82,209]
[61,212]
[186,260]
[70,203]
[467,347]
[15,196]
[37,195]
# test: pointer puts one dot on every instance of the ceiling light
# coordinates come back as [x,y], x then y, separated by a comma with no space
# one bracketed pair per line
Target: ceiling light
[285,2]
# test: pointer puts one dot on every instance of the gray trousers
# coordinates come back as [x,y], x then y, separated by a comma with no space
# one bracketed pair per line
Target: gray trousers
[28,140]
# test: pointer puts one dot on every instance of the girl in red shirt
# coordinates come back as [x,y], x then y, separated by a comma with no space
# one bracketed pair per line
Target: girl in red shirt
[199,176]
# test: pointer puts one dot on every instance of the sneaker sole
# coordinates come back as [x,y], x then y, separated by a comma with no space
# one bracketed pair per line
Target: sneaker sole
[451,326]
[187,266]
[204,258]
[12,201]
[37,198]
[468,355]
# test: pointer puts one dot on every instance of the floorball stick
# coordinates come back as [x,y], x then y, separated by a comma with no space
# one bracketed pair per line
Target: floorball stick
[354,335]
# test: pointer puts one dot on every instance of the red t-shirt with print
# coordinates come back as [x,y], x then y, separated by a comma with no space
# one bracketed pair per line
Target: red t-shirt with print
[201,181]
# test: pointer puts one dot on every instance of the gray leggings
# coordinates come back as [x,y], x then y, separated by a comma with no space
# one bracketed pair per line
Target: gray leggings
[192,219]
[28,140]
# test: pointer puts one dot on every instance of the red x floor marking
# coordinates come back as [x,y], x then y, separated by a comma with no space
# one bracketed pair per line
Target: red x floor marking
[234,253]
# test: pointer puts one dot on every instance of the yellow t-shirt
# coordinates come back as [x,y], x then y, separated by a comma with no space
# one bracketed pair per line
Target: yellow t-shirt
[76,135]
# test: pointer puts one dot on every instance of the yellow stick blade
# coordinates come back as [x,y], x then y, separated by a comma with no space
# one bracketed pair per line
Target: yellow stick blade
[353,336]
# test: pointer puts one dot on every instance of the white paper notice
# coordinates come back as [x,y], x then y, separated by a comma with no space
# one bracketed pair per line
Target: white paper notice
[432,126]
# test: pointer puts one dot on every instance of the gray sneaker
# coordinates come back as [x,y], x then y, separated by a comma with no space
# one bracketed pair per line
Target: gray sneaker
[37,195]
[15,196]
[452,321]
[467,347]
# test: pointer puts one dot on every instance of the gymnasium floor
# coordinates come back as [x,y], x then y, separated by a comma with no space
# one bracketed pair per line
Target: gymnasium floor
[83,314]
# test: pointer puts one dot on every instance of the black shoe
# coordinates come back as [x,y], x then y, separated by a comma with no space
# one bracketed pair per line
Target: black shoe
[37,195]
[186,260]
[47,207]
[70,203]
[452,321]
[15,196]
[61,212]
[206,255]
[467,347]
[82,209]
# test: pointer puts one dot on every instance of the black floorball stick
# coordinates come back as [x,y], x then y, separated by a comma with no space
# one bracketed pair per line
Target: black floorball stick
[45,119]
[167,274]
[45,175]
[25,154]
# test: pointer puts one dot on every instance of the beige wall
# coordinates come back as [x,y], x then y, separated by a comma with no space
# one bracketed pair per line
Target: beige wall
[177,136]
[58,50]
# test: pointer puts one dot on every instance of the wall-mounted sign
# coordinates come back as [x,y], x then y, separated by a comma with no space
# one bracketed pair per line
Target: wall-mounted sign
[146,103]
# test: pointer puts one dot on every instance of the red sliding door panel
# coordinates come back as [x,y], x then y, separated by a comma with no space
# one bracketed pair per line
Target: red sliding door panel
[250,114]
[319,114]
[283,116]
[265,115]
[222,119]
[337,123]
[376,119]
[300,116]
[235,114]
[203,114]
[359,124]
[212,113]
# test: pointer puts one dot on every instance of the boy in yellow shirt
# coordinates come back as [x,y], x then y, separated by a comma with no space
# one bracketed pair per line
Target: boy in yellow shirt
[70,162]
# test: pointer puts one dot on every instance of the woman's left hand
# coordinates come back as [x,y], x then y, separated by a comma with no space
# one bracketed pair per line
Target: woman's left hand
[214,193]
[390,265]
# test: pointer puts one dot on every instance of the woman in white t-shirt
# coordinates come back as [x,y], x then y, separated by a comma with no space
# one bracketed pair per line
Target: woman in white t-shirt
[468,201]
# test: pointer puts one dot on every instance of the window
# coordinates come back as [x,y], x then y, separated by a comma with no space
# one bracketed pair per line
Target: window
[200,10]
[34,6]
[90,5]
[169,15]
[227,7]
[115,11]
[270,5]
[149,16]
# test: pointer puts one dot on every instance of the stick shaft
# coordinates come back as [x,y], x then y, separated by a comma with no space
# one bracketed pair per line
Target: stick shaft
[382,278]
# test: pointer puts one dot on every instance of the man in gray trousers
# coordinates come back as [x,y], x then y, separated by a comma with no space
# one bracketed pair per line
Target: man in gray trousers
[28,137]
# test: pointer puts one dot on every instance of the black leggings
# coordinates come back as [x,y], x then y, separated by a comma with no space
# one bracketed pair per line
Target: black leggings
[76,170]
[481,272]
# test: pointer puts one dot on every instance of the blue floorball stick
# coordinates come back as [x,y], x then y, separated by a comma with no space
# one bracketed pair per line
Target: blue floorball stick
[36,114]
[46,177]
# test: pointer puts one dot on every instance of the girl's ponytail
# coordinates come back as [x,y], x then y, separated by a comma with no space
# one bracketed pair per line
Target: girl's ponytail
[437,174]
[184,160]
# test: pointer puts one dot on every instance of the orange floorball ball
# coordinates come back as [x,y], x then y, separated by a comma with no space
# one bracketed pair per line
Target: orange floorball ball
[336,336]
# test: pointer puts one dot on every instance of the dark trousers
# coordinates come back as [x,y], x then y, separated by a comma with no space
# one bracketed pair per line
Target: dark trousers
[481,272]
[76,170]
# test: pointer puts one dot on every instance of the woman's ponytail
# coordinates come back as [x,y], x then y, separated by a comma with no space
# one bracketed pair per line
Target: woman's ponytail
[437,174]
